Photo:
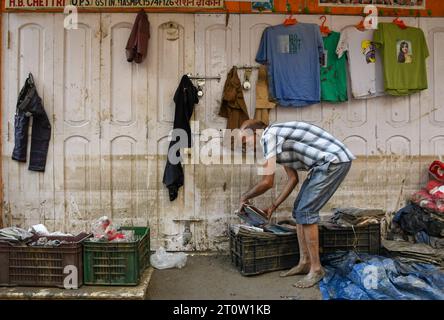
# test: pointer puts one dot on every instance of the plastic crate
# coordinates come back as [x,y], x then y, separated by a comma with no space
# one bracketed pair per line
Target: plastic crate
[22,265]
[366,239]
[255,255]
[120,263]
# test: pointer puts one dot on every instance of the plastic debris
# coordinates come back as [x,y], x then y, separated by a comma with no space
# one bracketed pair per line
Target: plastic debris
[166,260]
[104,230]
[41,230]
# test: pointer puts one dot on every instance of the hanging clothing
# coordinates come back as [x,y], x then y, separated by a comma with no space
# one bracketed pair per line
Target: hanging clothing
[173,177]
[263,103]
[233,105]
[404,53]
[365,62]
[292,55]
[333,71]
[29,104]
[185,98]
[137,45]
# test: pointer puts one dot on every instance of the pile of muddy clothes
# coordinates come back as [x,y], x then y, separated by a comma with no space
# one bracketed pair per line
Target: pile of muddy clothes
[417,230]
[36,236]
[255,221]
[354,217]
[416,235]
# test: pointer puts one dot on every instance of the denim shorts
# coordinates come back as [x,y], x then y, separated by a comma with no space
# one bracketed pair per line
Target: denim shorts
[320,185]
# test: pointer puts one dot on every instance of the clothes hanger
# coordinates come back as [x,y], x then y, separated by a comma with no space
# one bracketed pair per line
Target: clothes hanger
[400,23]
[290,20]
[31,78]
[360,26]
[324,29]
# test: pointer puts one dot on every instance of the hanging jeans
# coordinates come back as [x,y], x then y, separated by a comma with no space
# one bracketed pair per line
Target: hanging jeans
[30,104]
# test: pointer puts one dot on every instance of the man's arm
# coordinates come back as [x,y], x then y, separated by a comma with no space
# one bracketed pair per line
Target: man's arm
[292,182]
[261,187]
[264,185]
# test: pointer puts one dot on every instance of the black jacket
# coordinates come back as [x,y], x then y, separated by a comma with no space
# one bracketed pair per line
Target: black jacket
[185,98]
[29,104]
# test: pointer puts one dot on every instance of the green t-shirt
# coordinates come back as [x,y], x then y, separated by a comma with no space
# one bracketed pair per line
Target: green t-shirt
[404,53]
[333,71]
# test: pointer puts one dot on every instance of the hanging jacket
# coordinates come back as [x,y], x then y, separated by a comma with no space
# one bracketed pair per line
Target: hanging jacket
[263,103]
[185,98]
[233,105]
[30,104]
[137,45]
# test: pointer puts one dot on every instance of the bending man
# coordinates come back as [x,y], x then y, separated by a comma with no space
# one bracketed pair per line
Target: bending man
[301,146]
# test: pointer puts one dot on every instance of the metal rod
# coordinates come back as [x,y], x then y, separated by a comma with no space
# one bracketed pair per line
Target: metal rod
[206,78]
[218,78]
[247,67]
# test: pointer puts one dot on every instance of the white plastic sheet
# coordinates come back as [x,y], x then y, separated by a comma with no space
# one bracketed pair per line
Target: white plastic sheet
[166,260]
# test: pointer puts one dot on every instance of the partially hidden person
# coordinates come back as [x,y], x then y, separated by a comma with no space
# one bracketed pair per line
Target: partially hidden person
[300,146]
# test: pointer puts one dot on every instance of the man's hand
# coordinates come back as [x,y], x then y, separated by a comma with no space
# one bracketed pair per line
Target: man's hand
[269,211]
[261,187]
[243,202]
[289,186]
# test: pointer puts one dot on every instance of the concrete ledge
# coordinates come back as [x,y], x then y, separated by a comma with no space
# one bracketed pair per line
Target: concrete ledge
[85,292]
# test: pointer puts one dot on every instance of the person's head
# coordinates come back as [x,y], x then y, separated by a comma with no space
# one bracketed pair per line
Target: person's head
[249,129]
[404,47]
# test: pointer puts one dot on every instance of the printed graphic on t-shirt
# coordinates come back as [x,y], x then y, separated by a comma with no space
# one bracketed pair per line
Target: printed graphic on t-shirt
[289,43]
[404,51]
[369,51]
[323,59]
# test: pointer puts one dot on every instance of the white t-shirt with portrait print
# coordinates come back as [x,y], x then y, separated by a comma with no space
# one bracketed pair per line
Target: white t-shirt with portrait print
[365,63]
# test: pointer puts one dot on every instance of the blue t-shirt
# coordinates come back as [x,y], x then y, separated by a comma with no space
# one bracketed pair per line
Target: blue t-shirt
[292,54]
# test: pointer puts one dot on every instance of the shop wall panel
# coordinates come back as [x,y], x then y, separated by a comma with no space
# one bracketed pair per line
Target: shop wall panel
[76,123]
[354,122]
[432,100]
[217,50]
[28,195]
[123,125]
[170,56]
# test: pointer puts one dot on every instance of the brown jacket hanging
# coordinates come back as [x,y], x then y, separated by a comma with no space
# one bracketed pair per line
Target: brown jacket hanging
[233,105]
[263,103]
[137,45]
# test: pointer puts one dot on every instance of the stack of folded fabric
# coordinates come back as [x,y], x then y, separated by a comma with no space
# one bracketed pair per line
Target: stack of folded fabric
[414,252]
[249,231]
[356,217]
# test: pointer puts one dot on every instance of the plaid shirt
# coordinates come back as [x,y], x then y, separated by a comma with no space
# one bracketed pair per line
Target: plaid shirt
[302,146]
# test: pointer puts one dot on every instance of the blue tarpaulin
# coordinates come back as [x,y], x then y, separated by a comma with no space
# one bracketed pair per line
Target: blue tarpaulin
[354,276]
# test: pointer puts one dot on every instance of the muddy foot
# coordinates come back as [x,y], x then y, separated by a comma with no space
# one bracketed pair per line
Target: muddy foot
[310,279]
[303,268]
